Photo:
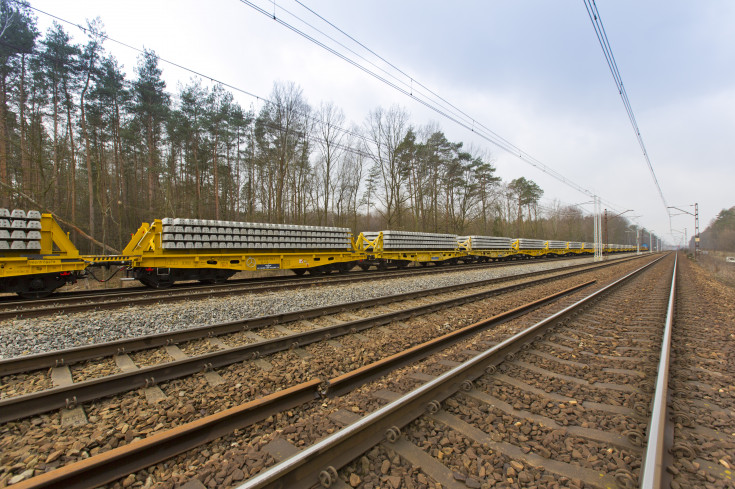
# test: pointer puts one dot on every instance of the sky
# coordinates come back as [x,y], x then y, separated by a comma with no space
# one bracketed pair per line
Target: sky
[531,71]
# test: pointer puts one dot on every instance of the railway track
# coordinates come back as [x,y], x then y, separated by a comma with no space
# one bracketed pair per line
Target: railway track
[216,353]
[105,299]
[540,405]
[702,391]
[420,328]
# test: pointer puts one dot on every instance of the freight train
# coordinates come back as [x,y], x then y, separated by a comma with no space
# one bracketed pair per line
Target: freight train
[37,256]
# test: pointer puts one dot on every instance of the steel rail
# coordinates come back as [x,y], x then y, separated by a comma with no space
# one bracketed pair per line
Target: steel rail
[303,469]
[71,356]
[187,288]
[22,406]
[348,381]
[652,472]
[13,300]
[118,462]
[117,298]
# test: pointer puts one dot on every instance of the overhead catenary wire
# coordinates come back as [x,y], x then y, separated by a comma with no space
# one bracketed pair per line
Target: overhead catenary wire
[410,90]
[596,20]
[469,124]
[409,82]
[264,100]
[399,70]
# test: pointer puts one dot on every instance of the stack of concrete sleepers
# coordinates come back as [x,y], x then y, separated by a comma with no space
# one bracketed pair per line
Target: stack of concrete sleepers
[210,234]
[487,242]
[408,240]
[557,245]
[20,230]
[530,244]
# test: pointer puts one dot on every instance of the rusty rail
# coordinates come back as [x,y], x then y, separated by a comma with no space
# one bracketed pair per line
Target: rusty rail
[113,464]
[74,394]
[304,469]
[72,302]
[118,462]
[653,469]
[71,356]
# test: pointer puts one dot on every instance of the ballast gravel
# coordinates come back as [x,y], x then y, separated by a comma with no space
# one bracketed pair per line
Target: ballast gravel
[37,335]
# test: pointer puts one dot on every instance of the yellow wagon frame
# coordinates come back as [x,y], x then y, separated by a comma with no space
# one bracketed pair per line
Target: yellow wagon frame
[146,251]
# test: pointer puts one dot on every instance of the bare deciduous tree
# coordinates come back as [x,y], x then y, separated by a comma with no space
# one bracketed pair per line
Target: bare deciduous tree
[386,129]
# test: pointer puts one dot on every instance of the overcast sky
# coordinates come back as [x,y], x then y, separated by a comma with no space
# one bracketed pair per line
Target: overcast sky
[532,71]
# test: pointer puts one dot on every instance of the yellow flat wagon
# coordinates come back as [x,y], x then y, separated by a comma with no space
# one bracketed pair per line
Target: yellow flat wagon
[160,257]
[34,267]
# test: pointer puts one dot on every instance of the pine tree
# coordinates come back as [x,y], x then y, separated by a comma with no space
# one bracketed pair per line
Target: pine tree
[151,107]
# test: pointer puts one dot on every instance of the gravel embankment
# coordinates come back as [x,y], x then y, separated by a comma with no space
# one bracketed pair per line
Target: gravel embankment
[29,336]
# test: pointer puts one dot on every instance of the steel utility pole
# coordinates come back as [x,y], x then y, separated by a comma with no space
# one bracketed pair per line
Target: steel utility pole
[696,230]
[696,227]
[598,230]
[604,239]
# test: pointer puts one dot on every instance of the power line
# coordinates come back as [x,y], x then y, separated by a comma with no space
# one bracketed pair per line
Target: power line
[412,80]
[278,127]
[460,118]
[452,113]
[409,80]
[610,58]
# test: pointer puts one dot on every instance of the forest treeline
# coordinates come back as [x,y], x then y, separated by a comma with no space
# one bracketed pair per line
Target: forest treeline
[105,151]
[720,234]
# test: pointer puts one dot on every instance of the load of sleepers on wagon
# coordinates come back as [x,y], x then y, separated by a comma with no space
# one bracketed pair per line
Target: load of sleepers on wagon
[20,230]
[215,235]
